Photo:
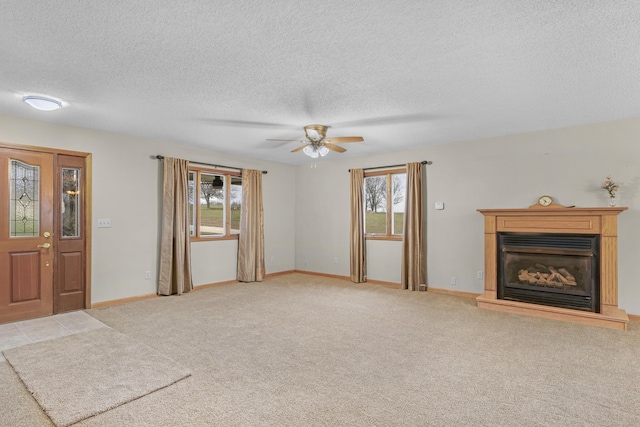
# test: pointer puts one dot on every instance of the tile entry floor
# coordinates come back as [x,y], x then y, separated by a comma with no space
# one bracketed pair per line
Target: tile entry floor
[45,328]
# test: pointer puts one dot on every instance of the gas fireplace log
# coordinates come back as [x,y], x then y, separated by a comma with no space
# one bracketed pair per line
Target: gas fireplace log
[565,277]
[554,278]
[566,274]
[526,277]
[543,268]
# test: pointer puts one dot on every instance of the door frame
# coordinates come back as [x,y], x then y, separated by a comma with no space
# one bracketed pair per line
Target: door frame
[87,203]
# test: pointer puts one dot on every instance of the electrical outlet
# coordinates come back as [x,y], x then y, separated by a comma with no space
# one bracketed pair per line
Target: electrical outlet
[335,259]
[453,280]
[306,263]
[147,275]
[273,258]
[480,274]
[104,223]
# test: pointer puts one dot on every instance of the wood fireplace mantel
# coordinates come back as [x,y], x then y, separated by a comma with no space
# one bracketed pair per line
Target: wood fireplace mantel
[594,221]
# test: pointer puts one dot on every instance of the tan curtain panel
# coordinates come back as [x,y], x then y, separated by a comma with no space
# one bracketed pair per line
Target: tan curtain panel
[414,262]
[358,254]
[175,250]
[251,240]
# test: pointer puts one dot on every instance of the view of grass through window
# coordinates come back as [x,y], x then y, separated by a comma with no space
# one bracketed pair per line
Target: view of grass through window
[378,190]
[213,204]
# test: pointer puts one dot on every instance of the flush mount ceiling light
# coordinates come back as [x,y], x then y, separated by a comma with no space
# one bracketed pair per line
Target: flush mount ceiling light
[42,103]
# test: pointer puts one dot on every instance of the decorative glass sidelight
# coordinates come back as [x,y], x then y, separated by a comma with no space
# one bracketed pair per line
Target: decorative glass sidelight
[70,209]
[24,196]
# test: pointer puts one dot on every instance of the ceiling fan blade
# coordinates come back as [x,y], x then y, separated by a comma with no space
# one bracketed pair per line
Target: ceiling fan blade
[335,147]
[246,123]
[390,120]
[342,139]
[299,148]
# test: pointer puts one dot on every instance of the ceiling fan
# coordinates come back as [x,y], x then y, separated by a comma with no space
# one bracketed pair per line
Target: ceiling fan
[317,144]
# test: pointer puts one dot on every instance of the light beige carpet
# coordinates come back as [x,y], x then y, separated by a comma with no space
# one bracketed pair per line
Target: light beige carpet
[79,376]
[302,350]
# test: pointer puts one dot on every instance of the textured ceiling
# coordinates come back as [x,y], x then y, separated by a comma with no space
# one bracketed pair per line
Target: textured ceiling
[227,75]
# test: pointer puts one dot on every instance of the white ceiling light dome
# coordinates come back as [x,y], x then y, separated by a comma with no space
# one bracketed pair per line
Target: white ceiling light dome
[310,151]
[323,151]
[307,150]
[42,103]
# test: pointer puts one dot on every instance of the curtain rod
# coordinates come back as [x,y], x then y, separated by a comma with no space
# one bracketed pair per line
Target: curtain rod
[159,157]
[424,162]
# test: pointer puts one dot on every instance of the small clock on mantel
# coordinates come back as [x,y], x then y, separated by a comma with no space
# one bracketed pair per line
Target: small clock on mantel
[546,202]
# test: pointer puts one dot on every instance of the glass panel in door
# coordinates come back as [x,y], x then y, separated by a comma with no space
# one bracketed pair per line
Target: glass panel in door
[24,195]
[70,209]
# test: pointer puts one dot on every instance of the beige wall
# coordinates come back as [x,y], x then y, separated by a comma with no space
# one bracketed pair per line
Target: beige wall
[506,172]
[307,209]
[126,185]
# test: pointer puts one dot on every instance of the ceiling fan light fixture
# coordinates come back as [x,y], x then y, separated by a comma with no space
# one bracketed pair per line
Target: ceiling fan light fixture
[316,145]
[42,103]
[312,134]
[315,132]
[310,151]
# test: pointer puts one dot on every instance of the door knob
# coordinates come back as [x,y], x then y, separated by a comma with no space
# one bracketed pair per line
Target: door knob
[45,245]
[46,234]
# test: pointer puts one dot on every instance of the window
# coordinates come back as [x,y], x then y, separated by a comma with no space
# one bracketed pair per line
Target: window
[215,199]
[384,193]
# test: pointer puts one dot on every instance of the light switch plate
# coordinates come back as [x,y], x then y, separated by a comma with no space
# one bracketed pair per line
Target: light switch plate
[439,206]
[104,223]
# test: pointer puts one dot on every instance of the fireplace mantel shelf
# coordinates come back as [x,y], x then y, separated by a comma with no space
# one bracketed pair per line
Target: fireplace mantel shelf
[594,221]
[542,211]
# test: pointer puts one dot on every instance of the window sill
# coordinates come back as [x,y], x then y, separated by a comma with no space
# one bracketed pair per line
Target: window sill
[394,238]
[214,238]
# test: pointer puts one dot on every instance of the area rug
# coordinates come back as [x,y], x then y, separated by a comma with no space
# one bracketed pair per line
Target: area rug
[78,376]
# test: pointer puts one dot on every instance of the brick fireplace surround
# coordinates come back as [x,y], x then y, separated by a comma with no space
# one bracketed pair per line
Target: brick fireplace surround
[557,219]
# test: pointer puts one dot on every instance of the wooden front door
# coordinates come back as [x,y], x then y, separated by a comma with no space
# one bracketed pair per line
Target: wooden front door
[26,229]
[70,235]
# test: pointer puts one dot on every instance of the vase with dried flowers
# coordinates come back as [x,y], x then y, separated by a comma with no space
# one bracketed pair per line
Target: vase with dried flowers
[611,188]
